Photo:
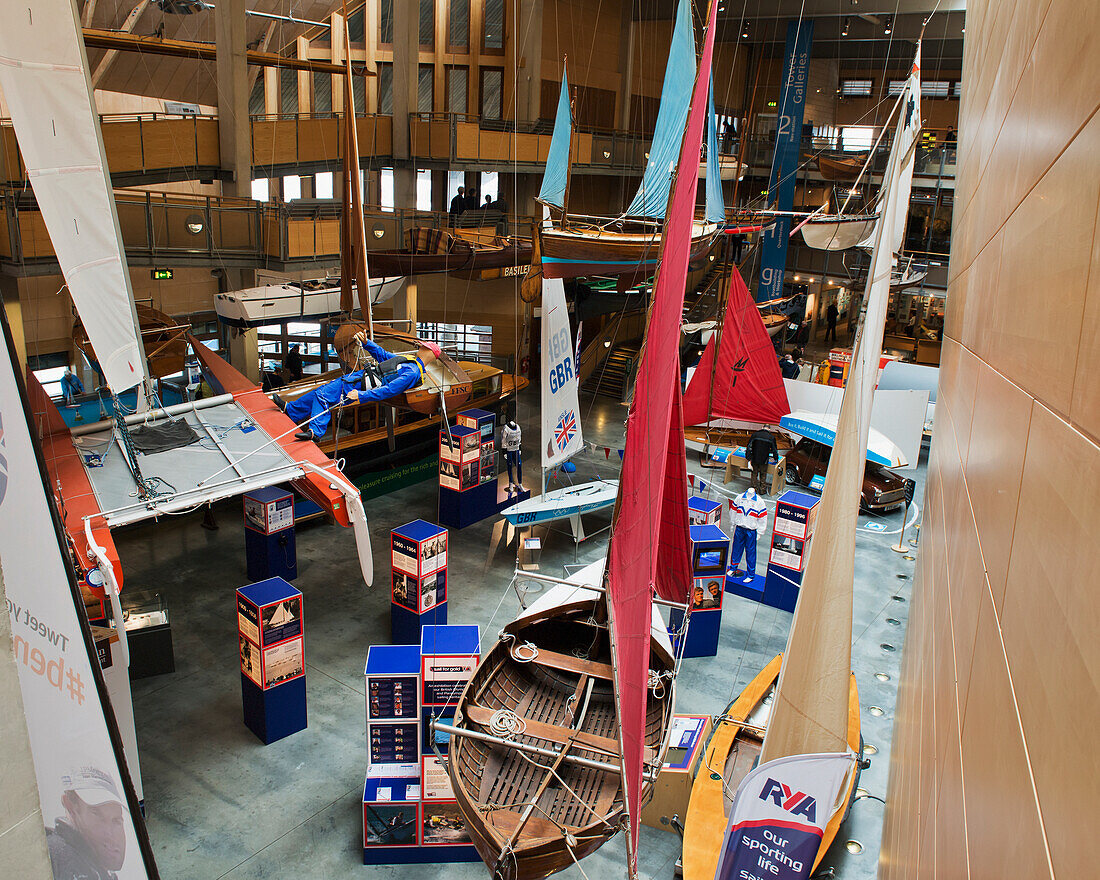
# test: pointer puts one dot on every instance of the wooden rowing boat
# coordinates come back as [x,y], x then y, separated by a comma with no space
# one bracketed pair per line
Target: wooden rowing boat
[163,337]
[548,683]
[431,250]
[733,751]
[841,167]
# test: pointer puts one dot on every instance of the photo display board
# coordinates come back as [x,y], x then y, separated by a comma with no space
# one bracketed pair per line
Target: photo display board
[270,632]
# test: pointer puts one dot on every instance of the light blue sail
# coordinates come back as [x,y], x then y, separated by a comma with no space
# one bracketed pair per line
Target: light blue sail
[556,175]
[651,199]
[716,207]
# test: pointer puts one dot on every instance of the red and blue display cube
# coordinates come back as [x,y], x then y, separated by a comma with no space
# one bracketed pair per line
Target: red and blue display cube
[418,556]
[710,549]
[795,517]
[271,634]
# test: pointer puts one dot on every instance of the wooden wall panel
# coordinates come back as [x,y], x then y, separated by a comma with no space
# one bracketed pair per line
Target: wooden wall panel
[1007,692]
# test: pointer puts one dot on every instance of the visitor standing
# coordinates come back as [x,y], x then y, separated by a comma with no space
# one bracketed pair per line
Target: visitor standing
[831,314]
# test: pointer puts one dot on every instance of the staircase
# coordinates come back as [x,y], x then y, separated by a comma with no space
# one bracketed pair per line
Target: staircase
[701,304]
[610,378]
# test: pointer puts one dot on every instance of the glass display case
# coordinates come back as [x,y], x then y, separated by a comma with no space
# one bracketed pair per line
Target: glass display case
[149,633]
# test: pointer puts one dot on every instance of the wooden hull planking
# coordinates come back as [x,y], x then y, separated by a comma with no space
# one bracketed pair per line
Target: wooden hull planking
[578,251]
[568,704]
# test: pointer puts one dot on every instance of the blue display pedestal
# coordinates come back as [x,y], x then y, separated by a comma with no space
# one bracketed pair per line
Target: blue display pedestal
[272,655]
[468,470]
[709,554]
[704,512]
[460,509]
[795,517]
[419,579]
[269,543]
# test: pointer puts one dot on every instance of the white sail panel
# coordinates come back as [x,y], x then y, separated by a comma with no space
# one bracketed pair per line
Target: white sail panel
[905,148]
[561,425]
[43,75]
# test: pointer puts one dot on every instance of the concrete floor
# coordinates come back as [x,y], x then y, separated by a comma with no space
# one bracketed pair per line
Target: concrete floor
[221,804]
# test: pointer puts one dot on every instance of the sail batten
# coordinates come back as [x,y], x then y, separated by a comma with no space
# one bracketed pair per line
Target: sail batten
[555,177]
[652,197]
[810,710]
[43,75]
[652,510]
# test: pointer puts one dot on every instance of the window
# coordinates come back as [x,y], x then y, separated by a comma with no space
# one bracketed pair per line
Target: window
[856,88]
[292,188]
[492,86]
[288,90]
[457,86]
[261,190]
[322,93]
[385,89]
[256,99]
[489,185]
[48,370]
[857,137]
[458,24]
[357,25]
[427,24]
[359,93]
[423,190]
[895,87]
[467,342]
[322,185]
[957,89]
[455,179]
[493,41]
[385,180]
[935,88]
[425,88]
[385,22]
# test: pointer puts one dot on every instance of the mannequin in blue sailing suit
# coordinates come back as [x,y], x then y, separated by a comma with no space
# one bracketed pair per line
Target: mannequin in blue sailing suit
[398,373]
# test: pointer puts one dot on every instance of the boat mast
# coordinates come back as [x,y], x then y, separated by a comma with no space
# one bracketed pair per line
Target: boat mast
[353,251]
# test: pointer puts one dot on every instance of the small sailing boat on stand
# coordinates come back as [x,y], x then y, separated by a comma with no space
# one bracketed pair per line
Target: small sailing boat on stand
[797,726]
[585,682]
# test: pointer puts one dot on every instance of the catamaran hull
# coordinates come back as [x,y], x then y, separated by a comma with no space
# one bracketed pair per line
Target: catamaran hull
[733,751]
[271,303]
[547,687]
[563,503]
[579,251]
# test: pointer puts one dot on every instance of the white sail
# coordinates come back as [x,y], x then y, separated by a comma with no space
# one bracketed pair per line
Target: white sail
[561,425]
[43,74]
[811,707]
[905,151]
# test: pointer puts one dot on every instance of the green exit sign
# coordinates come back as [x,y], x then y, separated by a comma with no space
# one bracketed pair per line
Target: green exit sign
[161,274]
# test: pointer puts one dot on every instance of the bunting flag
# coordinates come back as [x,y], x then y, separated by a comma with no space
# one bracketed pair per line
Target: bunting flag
[691,479]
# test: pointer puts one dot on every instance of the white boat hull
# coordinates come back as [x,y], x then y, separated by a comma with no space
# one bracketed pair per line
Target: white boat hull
[272,303]
[563,503]
[838,235]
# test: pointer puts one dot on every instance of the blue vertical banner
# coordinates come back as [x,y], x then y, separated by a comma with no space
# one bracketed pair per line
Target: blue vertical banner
[788,137]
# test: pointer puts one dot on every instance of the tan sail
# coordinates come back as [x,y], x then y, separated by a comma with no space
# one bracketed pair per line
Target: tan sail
[811,702]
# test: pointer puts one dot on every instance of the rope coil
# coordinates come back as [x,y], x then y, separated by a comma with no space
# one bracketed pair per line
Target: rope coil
[505,722]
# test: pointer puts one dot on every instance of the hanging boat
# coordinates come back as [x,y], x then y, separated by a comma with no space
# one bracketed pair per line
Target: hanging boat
[293,301]
[841,168]
[578,245]
[429,250]
[814,708]
[163,338]
[608,710]
[838,234]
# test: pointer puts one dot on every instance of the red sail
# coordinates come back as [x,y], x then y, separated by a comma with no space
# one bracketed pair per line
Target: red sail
[652,510]
[746,385]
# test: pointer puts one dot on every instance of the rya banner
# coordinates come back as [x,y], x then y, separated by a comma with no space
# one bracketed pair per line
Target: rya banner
[779,816]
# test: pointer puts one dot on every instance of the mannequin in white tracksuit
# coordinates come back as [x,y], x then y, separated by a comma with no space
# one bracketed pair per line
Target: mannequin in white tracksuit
[750,518]
[510,441]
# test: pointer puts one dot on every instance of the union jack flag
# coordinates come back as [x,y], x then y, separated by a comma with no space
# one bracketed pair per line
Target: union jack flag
[566,429]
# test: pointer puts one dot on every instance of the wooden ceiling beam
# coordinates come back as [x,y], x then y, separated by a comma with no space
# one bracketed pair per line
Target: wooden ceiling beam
[94,38]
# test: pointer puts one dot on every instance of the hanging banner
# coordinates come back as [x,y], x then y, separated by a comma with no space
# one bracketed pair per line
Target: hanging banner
[784,174]
[88,803]
[561,426]
[779,815]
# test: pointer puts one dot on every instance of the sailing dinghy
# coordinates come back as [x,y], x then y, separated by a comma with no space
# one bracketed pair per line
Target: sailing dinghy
[607,696]
[814,712]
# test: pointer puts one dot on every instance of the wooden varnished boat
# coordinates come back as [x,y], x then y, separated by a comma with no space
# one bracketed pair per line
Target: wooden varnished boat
[431,250]
[164,339]
[733,750]
[548,684]
[841,167]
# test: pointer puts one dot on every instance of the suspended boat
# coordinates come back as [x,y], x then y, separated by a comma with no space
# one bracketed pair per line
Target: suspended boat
[608,709]
[838,234]
[728,169]
[810,740]
[293,301]
[841,168]
[163,338]
[428,250]
[579,245]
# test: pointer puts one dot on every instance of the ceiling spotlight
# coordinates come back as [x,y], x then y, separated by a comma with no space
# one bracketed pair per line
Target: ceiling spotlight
[847,24]
[745,31]
[889,26]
